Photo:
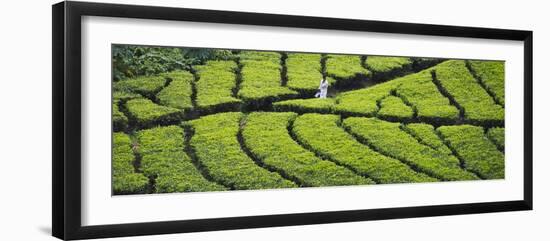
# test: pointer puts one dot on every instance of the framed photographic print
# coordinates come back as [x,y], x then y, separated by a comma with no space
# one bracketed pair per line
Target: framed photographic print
[170,120]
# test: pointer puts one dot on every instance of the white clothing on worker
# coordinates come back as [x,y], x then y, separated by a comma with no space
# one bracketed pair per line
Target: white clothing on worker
[323,89]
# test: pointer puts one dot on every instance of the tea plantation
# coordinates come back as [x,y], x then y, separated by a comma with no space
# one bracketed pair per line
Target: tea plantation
[251,122]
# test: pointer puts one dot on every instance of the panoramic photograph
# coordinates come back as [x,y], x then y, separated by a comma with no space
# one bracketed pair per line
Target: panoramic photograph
[207,120]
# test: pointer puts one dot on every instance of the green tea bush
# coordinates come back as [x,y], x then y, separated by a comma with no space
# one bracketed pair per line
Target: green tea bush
[364,101]
[160,139]
[178,93]
[304,72]
[322,134]
[124,96]
[267,137]
[419,90]
[145,113]
[496,134]
[219,151]
[479,154]
[261,78]
[478,106]
[384,67]
[120,121]
[386,63]
[393,108]
[420,63]
[389,139]
[164,160]
[426,135]
[217,80]
[130,61]
[125,180]
[147,86]
[306,105]
[260,56]
[345,68]
[491,74]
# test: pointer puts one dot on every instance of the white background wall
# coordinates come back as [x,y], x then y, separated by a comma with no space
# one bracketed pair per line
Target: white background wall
[25,120]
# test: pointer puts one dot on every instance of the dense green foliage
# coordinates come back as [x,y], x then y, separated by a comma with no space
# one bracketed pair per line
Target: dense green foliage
[393,108]
[390,140]
[385,67]
[146,86]
[160,139]
[491,74]
[386,64]
[250,122]
[342,66]
[479,154]
[267,137]
[355,102]
[303,71]
[306,105]
[178,93]
[120,121]
[124,96]
[217,80]
[125,180]
[461,85]
[261,78]
[146,113]
[163,158]
[321,134]
[364,101]
[420,63]
[426,135]
[419,90]
[496,134]
[130,61]
[218,150]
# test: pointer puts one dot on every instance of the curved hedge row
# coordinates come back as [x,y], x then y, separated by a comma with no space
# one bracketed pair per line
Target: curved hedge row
[390,140]
[120,121]
[218,150]
[479,154]
[420,91]
[147,86]
[124,96]
[426,135]
[178,93]
[145,113]
[322,134]
[364,101]
[267,137]
[261,78]
[491,74]
[345,67]
[304,72]
[316,105]
[461,85]
[163,159]
[217,80]
[393,108]
[496,134]
[125,180]
[385,67]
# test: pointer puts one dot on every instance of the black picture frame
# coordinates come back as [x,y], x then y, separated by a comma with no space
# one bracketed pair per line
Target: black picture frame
[66,127]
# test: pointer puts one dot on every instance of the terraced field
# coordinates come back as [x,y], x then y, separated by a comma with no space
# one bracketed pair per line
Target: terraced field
[252,123]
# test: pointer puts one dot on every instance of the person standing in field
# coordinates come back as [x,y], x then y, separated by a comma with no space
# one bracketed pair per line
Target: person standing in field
[323,89]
